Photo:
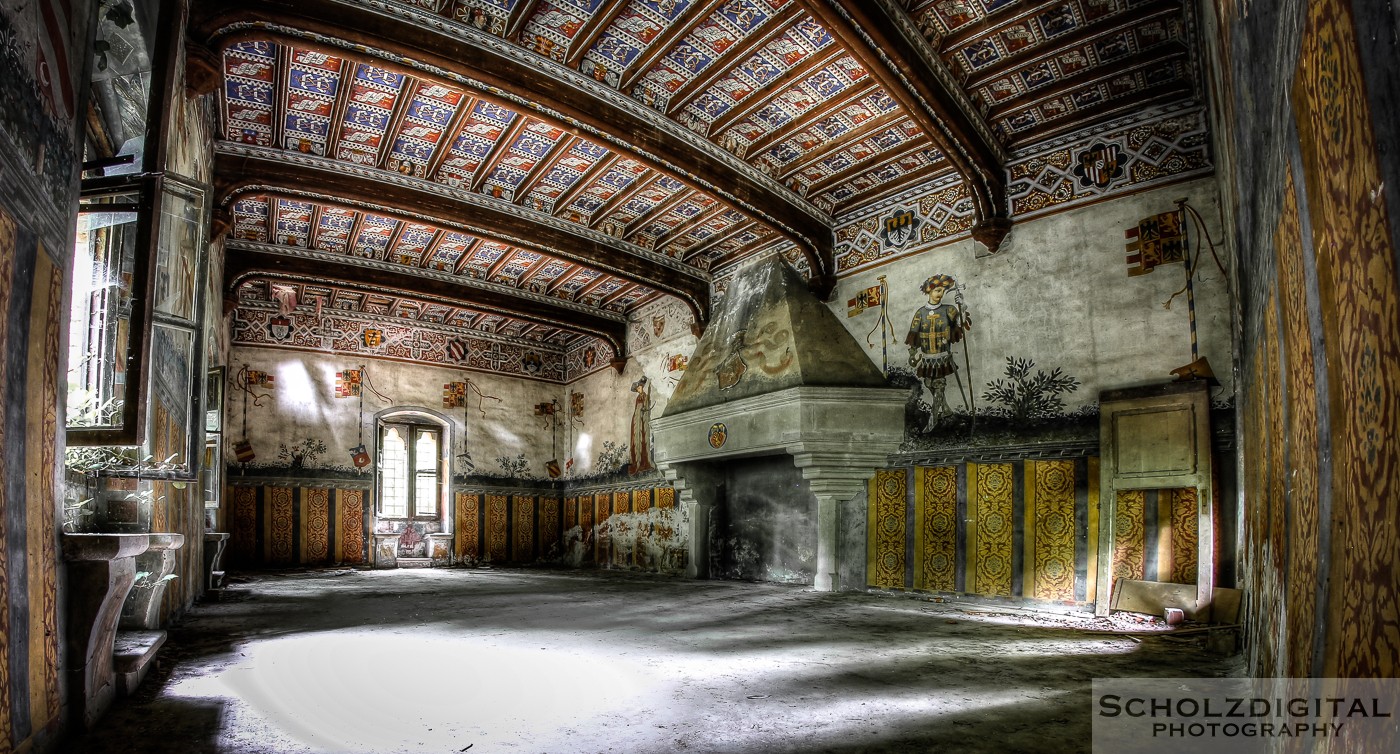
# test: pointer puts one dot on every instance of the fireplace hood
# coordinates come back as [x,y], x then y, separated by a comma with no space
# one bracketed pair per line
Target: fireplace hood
[777,373]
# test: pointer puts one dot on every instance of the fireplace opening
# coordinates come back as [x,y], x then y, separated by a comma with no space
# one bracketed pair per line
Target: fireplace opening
[763,526]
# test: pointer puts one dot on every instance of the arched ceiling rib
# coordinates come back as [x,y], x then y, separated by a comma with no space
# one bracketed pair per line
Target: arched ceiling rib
[657,140]
[242,170]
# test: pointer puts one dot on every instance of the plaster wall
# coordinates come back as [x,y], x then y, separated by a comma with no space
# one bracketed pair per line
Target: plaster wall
[659,333]
[303,406]
[1058,292]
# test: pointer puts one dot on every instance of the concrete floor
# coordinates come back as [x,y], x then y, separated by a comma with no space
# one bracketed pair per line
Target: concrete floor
[486,661]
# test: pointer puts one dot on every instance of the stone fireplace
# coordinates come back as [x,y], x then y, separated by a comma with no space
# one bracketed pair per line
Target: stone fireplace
[776,376]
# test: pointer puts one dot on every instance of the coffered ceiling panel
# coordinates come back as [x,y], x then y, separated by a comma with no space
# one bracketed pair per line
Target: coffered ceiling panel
[688,134]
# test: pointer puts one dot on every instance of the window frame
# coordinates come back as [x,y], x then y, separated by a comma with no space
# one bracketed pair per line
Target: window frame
[130,428]
[416,424]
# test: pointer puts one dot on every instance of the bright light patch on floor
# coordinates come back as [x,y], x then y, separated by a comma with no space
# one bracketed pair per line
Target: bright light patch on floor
[380,691]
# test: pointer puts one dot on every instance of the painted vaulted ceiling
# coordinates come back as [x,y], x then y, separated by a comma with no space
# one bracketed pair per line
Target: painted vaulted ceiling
[568,161]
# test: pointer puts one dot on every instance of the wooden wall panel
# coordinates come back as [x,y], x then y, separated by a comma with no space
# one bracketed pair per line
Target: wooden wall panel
[468,522]
[279,526]
[243,519]
[1360,304]
[1130,536]
[316,526]
[991,534]
[936,528]
[549,525]
[523,545]
[1178,519]
[570,512]
[1302,418]
[9,241]
[887,529]
[352,526]
[496,526]
[1050,530]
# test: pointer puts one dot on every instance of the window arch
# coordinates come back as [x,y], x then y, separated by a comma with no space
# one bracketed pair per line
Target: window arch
[411,476]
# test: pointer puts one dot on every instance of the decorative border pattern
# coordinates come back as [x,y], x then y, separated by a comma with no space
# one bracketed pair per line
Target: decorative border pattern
[1174,146]
[416,342]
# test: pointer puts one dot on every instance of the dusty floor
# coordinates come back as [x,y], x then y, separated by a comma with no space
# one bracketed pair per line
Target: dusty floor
[451,660]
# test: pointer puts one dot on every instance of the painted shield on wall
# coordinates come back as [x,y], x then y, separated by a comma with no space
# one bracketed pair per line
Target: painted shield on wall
[280,328]
[1099,165]
[718,435]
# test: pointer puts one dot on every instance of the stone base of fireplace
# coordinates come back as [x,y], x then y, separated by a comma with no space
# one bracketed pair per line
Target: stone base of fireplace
[837,437]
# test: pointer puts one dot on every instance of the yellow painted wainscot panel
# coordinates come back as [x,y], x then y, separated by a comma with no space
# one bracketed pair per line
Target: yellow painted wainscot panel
[468,513]
[991,529]
[352,526]
[886,529]
[936,528]
[1050,532]
[1129,557]
[496,528]
[524,528]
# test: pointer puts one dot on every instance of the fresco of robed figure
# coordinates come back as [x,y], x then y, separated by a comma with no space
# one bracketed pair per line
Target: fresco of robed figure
[934,329]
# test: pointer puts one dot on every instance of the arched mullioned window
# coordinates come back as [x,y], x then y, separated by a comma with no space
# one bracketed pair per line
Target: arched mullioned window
[414,446]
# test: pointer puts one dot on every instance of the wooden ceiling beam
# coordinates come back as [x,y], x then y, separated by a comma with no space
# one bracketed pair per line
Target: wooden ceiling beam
[846,140]
[826,109]
[584,181]
[1086,78]
[994,23]
[245,264]
[860,168]
[502,145]
[655,212]
[621,198]
[879,34]
[562,279]
[1142,100]
[431,248]
[777,85]
[239,173]
[449,135]
[1083,35]
[588,288]
[541,168]
[280,66]
[922,175]
[332,25]
[592,30]
[394,237]
[396,116]
[732,57]
[718,239]
[466,255]
[666,40]
[515,22]
[618,294]
[680,230]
